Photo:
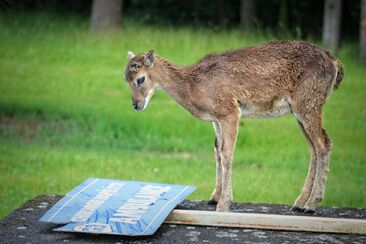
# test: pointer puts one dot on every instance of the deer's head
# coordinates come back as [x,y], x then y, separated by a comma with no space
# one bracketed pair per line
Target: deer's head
[138,75]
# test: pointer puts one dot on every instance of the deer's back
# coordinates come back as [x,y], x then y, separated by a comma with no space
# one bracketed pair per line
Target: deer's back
[263,71]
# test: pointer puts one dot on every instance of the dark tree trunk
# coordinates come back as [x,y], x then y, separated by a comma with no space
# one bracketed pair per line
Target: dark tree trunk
[247,14]
[331,24]
[283,16]
[363,32]
[105,14]
[221,13]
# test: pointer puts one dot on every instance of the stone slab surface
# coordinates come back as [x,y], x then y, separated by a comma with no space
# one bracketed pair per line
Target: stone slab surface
[22,226]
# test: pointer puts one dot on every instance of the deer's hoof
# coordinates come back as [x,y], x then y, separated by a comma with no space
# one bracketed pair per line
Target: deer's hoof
[308,211]
[223,207]
[296,209]
[212,202]
[215,197]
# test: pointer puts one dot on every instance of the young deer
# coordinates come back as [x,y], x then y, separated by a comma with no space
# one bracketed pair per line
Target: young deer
[263,81]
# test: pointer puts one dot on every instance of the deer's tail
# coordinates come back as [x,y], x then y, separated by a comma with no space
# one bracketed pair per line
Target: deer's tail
[340,73]
[340,70]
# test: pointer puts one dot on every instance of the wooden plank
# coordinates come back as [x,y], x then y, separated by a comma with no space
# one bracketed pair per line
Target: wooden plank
[267,221]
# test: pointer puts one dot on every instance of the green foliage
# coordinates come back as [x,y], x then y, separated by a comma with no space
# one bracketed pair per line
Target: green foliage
[66,115]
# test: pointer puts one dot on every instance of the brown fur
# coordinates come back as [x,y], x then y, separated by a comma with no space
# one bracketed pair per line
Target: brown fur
[263,81]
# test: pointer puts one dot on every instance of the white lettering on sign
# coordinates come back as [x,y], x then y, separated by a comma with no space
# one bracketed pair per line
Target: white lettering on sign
[131,211]
[85,212]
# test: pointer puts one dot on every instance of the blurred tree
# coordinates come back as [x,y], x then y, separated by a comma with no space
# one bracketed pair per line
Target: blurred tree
[247,14]
[105,14]
[363,32]
[283,16]
[221,13]
[331,24]
[304,18]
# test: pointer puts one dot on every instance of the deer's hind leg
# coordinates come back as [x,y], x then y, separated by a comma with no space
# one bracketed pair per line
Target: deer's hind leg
[311,122]
[306,190]
[216,194]
[229,131]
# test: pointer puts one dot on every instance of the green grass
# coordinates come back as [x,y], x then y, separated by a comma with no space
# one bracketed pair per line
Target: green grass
[66,115]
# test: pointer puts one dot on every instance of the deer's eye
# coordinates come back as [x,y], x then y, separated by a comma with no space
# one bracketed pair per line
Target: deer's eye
[140,80]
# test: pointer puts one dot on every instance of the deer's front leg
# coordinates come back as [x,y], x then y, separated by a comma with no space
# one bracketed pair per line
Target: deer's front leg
[229,129]
[216,194]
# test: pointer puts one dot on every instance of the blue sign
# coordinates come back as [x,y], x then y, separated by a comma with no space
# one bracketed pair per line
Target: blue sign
[116,207]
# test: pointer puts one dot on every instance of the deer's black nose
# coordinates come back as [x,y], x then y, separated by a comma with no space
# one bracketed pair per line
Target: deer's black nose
[135,105]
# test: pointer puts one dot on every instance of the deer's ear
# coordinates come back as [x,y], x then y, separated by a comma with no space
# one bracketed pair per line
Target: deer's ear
[130,55]
[149,58]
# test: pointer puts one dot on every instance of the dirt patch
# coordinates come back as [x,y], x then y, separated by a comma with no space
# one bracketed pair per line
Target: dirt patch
[30,128]
[26,129]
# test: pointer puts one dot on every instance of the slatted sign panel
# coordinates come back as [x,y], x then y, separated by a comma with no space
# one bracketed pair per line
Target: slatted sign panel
[106,206]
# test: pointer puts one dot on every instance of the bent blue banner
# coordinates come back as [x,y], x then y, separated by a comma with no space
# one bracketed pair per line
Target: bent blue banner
[117,207]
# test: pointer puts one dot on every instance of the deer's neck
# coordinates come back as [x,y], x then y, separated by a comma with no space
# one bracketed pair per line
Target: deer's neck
[178,83]
[172,79]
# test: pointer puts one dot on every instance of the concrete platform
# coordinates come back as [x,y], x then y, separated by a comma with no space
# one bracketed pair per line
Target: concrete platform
[22,226]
